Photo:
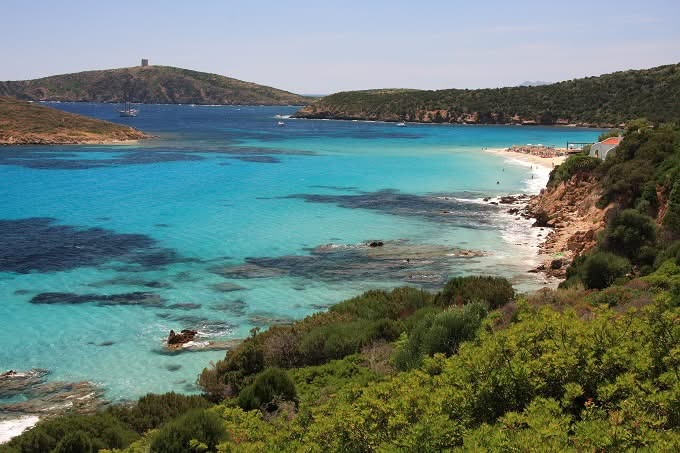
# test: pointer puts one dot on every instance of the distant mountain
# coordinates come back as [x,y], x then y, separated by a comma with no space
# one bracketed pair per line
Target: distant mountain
[24,123]
[149,85]
[607,100]
[535,83]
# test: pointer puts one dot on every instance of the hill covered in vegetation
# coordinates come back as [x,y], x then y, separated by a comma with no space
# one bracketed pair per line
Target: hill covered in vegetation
[22,123]
[149,85]
[607,100]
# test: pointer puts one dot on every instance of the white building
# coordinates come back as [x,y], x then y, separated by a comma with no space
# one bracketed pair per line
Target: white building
[605,147]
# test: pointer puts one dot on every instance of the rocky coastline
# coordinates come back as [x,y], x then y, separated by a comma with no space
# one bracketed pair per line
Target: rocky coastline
[440,116]
[570,213]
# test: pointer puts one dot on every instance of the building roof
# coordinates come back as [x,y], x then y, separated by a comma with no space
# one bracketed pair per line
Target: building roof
[611,141]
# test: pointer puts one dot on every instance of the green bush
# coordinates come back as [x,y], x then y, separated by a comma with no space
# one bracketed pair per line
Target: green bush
[601,269]
[440,333]
[99,430]
[199,425]
[377,304]
[672,218]
[578,163]
[74,442]
[495,291]
[270,387]
[152,410]
[627,233]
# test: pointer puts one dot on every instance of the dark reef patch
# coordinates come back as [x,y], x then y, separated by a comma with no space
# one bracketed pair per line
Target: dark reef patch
[47,160]
[233,308]
[126,281]
[436,207]
[143,299]
[426,265]
[261,159]
[184,306]
[38,244]
[266,319]
[227,287]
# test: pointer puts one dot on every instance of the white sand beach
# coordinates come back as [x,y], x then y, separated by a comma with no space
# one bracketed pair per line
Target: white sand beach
[528,158]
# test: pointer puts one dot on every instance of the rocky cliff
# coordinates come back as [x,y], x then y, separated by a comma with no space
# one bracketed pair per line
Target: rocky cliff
[570,211]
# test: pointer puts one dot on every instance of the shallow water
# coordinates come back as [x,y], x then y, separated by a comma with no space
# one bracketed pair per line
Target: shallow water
[107,248]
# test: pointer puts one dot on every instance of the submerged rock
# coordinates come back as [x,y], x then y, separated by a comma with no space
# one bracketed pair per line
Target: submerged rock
[144,299]
[227,287]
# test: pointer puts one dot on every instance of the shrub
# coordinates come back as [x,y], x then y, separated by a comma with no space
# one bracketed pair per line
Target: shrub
[672,218]
[495,291]
[578,163]
[74,442]
[339,340]
[600,269]
[440,333]
[198,425]
[270,387]
[99,431]
[627,232]
[377,304]
[151,411]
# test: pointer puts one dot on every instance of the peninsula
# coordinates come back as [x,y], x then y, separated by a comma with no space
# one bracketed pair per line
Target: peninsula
[604,101]
[149,85]
[25,123]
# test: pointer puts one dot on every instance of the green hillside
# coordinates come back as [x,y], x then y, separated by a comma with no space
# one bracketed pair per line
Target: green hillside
[149,85]
[25,123]
[605,100]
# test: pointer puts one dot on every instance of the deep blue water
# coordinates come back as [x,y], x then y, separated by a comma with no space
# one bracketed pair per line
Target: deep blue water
[140,239]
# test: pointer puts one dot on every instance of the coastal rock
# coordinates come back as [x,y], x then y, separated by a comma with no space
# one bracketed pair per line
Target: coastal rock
[178,339]
[376,243]
[33,395]
[571,209]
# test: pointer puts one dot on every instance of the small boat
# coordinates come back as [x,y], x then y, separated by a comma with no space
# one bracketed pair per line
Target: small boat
[280,124]
[401,124]
[128,111]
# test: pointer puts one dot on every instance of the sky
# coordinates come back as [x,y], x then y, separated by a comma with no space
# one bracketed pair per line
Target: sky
[325,46]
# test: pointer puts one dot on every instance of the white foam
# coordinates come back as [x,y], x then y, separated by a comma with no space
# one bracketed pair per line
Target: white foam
[13,427]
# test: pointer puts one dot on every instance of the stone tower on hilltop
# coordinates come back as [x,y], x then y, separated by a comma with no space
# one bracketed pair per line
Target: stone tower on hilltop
[145,62]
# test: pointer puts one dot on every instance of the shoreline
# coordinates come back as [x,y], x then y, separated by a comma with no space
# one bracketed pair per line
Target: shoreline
[545,162]
[132,141]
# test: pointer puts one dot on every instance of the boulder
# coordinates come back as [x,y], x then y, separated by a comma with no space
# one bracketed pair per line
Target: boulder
[376,244]
[556,264]
[178,339]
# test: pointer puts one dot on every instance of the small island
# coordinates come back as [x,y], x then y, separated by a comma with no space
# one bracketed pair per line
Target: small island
[26,123]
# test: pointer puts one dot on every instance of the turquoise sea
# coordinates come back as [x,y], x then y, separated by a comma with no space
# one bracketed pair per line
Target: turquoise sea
[225,222]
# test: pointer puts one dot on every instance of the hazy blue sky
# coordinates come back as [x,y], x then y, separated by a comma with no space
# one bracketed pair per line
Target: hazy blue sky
[327,46]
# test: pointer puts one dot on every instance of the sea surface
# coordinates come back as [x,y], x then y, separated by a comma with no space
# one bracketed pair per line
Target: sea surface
[225,222]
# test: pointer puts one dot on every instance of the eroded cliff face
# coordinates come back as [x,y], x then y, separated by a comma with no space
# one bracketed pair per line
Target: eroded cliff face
[570,209]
